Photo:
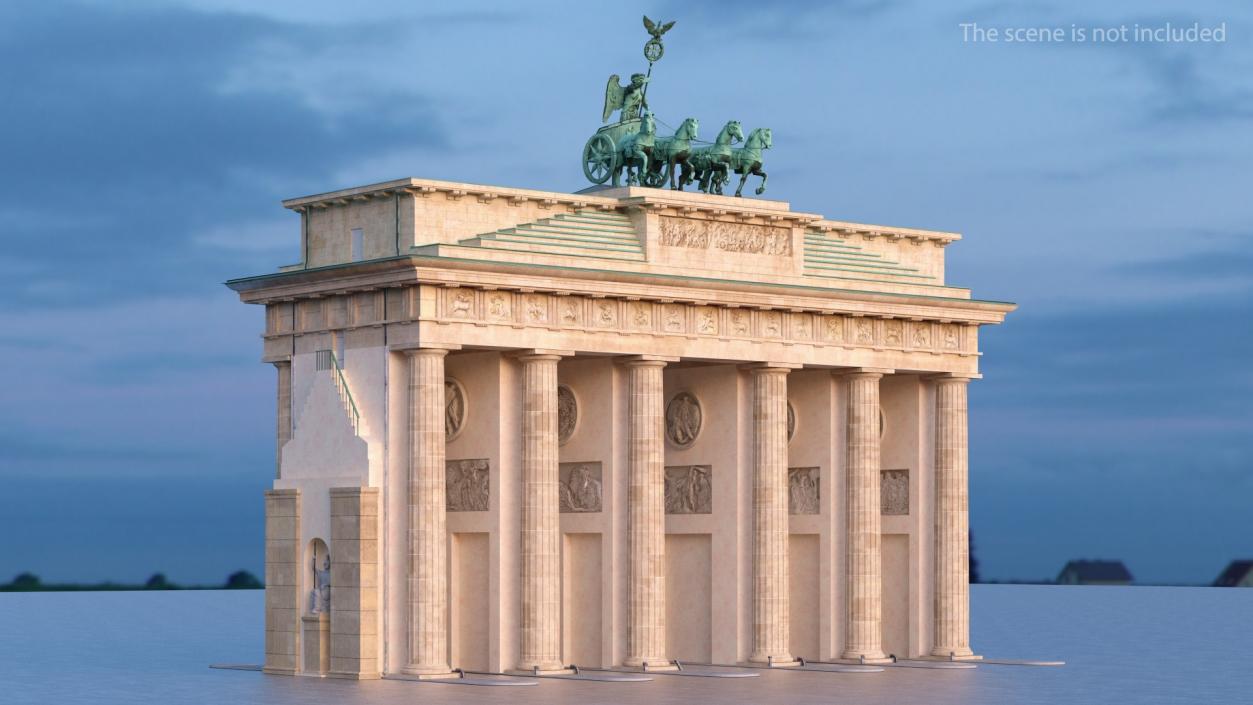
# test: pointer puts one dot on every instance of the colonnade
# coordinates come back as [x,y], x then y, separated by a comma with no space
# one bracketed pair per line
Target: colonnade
[540,618]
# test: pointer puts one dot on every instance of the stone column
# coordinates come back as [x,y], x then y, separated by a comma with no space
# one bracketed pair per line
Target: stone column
[283,433]
[541,528]
[646,514]
[952,521]
[428,531]
[864,639]
[770,516]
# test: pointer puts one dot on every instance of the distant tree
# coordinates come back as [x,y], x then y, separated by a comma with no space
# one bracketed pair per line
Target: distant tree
[26,581]
[158,582]
[243,580]
[974,564]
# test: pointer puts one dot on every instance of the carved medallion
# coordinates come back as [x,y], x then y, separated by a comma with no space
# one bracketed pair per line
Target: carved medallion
[499,305]
[461,303]
[536,309]
[834,327]
[689,489]
[571,312]
[468,484]
[567,413]
[454,408]
[683,419]
[791,421]
[922,335]
[894,492]
[606,313]
[802,490]
[580,487]
[893,333]
[641,314]
[865,332]
[707,321]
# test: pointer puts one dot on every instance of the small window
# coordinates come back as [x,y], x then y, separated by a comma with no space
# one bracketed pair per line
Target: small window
[358,245]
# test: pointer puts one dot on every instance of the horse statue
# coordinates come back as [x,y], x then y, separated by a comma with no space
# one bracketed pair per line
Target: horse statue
[637,148]
[747,159]
[673,152]
[709,165]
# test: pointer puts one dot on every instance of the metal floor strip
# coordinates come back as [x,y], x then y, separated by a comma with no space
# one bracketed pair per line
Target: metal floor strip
[583,675]
[236,666]
[1020,662]
[687,671]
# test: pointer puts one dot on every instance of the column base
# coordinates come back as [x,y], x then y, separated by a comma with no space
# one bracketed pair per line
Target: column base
[858,659]
[651,665]
[789,662]
[430,673]
[952,656]
[537,671]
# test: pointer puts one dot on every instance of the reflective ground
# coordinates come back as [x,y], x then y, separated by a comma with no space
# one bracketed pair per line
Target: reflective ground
[1121,645]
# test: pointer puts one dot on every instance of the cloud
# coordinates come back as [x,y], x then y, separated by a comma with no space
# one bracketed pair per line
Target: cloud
[138,153]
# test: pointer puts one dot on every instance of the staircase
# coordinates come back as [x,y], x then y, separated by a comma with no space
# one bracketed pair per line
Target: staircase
[325,360]
[586,233]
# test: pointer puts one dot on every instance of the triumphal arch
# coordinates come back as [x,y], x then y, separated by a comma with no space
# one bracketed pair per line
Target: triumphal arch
[519,430]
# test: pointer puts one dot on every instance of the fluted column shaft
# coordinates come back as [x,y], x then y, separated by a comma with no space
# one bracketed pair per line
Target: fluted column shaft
[952,520]
[428,531]
[865,564]
[770,516]
[646,514]
[283,413]
[541,530]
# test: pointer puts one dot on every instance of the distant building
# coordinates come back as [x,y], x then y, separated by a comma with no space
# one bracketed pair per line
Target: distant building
[1094,573]
[1238,574]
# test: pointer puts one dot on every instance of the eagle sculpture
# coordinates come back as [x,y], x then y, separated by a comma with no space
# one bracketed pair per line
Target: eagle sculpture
[655,29]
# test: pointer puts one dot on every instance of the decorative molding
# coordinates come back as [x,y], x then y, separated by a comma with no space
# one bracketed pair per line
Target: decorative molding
[468,485]
[689,489]
[894,492]
[684,418]
[581,487]
[803,492]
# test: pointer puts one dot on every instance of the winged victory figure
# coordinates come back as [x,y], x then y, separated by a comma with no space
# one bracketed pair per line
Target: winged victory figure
[629,98]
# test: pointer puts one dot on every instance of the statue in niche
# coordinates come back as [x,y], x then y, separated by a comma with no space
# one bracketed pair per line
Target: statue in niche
[320,595]
[468,485]
[581,490]
[567,414]
[802,494]
[454,408]
[894,492]
[689,490]
[683,419]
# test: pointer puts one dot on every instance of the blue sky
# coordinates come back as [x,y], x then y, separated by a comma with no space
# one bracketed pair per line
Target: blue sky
[1103,187]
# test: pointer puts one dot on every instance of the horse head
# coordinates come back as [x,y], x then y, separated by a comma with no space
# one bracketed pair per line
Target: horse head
[760,138]
[648,124]
[733,132]
[687,129]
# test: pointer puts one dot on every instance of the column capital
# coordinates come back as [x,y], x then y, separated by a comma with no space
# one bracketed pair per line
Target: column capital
[539,354]
[962,377]
[645,360]
[758,367]
[440,349]
[864,372]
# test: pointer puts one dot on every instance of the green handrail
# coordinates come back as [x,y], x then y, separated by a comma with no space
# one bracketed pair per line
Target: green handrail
[326,360]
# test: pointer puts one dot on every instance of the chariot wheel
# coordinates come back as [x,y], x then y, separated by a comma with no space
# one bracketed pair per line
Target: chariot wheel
[599,158]
[656,179]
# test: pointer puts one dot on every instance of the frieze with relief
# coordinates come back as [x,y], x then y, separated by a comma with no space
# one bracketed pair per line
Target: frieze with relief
[468,485]
[580,487]
[894,492]
[727,237]
[689,489]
